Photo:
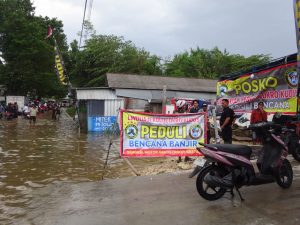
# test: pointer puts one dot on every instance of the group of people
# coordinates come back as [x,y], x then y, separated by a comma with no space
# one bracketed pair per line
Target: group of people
[55,112]
[29,111]
[10,111]
[227,117]
[182,107]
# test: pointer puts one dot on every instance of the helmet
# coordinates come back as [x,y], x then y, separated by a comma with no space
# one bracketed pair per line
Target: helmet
[180,103]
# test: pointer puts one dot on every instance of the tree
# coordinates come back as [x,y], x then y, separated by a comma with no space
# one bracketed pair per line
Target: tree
[109,54]
[28,56]
[211,64]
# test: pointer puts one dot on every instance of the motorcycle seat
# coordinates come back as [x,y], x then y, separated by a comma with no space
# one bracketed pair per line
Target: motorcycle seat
[242,150]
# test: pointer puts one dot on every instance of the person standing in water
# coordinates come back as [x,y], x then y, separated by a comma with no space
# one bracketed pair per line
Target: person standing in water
[33,112]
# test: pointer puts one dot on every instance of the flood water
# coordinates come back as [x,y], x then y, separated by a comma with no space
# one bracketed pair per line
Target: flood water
[35,156]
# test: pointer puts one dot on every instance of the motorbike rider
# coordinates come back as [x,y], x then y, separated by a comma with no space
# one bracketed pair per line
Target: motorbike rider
[26,111]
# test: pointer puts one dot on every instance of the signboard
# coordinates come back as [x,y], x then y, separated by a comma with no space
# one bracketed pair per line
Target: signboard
[101,123]
[297,26]
[276,87]
[161,135]
[60,69]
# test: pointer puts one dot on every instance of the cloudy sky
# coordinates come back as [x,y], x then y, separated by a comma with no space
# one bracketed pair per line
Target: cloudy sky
[167,27]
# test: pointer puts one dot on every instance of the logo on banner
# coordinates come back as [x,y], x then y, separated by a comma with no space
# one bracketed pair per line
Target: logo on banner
[131,131]
[195,132]
[291,77]
[223,90]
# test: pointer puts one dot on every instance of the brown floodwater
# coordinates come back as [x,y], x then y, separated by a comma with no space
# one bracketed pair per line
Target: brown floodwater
[50,152]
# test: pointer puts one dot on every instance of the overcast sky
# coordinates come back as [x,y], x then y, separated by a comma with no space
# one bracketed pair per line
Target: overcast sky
[167,27]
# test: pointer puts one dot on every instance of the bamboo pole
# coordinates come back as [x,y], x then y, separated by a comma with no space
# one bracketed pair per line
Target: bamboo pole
[132,167]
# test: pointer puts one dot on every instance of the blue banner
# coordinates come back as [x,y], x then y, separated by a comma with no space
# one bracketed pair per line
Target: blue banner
[101,123]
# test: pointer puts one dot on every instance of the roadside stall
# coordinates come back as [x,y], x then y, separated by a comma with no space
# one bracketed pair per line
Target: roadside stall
[275,84]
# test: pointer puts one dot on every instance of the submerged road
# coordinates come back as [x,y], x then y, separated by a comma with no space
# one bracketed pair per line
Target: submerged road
[163,199]
[34,157]
[51,175]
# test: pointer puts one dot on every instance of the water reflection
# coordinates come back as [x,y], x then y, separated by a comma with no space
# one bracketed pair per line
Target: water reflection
[33,156]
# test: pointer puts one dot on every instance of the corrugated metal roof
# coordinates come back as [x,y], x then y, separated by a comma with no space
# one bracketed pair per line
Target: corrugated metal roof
[158,95]
[95,94]
[130,81]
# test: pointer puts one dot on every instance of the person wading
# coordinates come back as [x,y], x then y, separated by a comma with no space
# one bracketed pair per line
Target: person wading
[33,113]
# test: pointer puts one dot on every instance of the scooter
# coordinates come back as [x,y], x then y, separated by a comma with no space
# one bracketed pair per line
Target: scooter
[289,134]
[227,167]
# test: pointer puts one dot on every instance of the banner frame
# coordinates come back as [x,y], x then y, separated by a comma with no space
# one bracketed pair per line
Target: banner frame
[158,114]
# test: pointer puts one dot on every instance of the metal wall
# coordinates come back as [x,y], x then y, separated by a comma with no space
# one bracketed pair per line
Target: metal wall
[102,114]
[136,104]
[111,107]
[104,107]
[95,94]
[95,107]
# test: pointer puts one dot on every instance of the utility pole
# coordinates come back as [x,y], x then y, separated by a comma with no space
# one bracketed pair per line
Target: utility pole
[164,99]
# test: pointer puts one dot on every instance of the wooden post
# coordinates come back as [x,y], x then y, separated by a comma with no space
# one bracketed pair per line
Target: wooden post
[164,99]
[132,167]
[217,137]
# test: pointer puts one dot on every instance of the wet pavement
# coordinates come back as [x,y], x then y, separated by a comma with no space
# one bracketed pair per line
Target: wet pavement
[34,157]
[49,174]
[168,199]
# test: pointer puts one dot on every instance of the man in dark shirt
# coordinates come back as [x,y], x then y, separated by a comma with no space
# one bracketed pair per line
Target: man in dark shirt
[226,120]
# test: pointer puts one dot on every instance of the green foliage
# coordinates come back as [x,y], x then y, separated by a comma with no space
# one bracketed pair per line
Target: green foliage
[109,54]
[28,56]
[71,111]
[202,63]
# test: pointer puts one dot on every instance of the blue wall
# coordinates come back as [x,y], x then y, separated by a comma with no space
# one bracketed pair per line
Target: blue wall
[101,123]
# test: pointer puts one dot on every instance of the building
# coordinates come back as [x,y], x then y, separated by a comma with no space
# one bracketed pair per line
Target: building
[146,92]
[98,107]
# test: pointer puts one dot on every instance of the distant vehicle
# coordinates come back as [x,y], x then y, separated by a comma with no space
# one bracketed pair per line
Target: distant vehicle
[42,108]
[65,103]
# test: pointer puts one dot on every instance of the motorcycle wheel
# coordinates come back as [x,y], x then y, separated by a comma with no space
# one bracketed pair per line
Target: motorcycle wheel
[285,174]
[204,190]
[296,152]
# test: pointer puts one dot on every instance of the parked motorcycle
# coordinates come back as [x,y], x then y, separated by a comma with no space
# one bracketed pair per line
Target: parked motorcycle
[227,167]
[289,134]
